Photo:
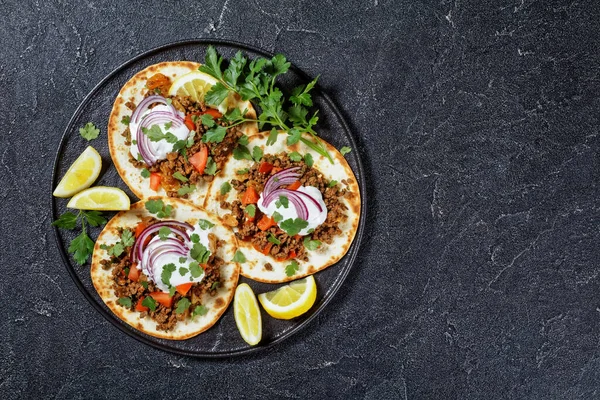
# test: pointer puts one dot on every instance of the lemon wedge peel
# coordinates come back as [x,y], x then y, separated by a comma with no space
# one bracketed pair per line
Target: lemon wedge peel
[247,314]
[102,198]
[290,301]
[81,174]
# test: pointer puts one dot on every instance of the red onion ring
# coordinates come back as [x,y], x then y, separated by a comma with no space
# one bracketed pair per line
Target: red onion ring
[154,118]
[146,103]
[283,177]
[180,228]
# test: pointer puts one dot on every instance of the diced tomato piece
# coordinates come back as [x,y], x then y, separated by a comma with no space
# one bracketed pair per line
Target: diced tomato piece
[139,306]
[155,179]
[292,254]
[265,223]
[199,159]
[275,170]
[265,167]
[294,186]
[163,298]
[184,288]
[160,82]
[213,113]
[189,123]
[134,273]
[266,250]
[140,228]
[250,196]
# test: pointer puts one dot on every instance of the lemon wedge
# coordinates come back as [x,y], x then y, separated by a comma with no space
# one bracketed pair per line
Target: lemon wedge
[247,314]
[100,198]
[196,84]
[81,174]
[291,300]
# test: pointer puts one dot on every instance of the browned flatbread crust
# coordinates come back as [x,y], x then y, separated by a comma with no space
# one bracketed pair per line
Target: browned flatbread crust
[183,211]
[133,91]
[328,254]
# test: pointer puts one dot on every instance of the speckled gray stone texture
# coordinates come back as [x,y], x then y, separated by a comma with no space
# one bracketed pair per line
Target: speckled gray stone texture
[478,126]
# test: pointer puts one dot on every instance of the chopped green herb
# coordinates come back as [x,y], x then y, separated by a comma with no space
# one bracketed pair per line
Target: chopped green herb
[257,153]
[183,271]
[195,269]
[125,302]
[167,271]
[184,259]
[205,224]
[134,142]
[311,244]
[144,284]
[145,173]
[283,201]
[277,217]
[250,210]
[308,159]
[127,238]
[179,176]
[66,221]
[295,156]
[164,232]
[207,120]
[292,268]
[239,257]
[200,254]
[243,140]
[125,120]
[271,238]
[215,134]
[158,207]
[149,302]
[272,137]
[225,188]
[172,291]
[168,125]
[242,171]
[215,285]
[332,183]
[293,226]
[186,189]
[89,131]
[195,239]
[345,150]
[199,310]
[211,167]
[182,305]
[242,153]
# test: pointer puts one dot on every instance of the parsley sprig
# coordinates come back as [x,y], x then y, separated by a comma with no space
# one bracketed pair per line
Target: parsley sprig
[255,81]
[82,246]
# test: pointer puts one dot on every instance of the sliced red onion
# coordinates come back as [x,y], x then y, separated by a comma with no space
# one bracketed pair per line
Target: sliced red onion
[293,197]
[180,228]
[146,103]
[154,118]
[283,177]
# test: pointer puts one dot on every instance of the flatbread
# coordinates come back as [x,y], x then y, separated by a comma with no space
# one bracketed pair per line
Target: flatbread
[185,212]
[326,254]
[133,91]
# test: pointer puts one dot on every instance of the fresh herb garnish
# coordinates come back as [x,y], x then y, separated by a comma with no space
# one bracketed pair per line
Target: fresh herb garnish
[199,253]
[125,120]
[195,239]
[186,189]
[215,285]
[293,226]
[311,244]
[149,302]
[345,150]
[180,177]
[211,167]
[295,156]
[272,137]
[144,284]
[271,238]
[145,173]
[167,271]
[332,183]
[257,153]
[276,216]
[215,134]
[308,159]
[207,120]
[125,302]
[242,153]
[195,269]
[164,232]
[155,134]
[183,271]
[239,257]
[205,224]
[282,201]
[256,81]
[292,268]
[158,207]
[182,305]
[250,210]
[242,171]
[199,310]
[243,140]
[82,246]
[89,131]
[225,188]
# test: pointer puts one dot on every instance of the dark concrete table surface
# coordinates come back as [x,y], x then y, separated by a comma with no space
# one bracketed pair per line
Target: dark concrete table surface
[478,126]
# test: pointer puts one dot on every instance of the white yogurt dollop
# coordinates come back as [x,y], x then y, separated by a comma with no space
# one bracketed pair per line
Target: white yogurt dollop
[315,217]
[161,148]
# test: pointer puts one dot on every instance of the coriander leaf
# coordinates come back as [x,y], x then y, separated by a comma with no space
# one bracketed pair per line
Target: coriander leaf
[183,271]
[294,136]
[216,95]
[164,232]
[257,153]
[211,167]
[293,226]
[154,133]
[149,302]
[292,268]
[166,212]
[94,218]
[195,269]
[127,238]
[167,271]
[182,191]
[212,63]
[295,156]
[242,171]
[179,145]
[332,183]
[279,65]
[172,291]
[154,206]
[276,216]
[168,125]
[215,134]
[271,238]
[345,150]
[308,160]
[89,131]
[225,188]
[145,173]
[311,244]
[66,221]
[239,257]
[200,254]
[215,285]
[117,249]
[182,305]
[297,114]
[199,310]
[207,120]
[251,210]
[190,140]
[282,201]
[272,137]
[243,140]
[179,176]
[125,302]
[81,247]
[144,284]
[195,239]
[242,153]
[125,120]
[234,70]
[184,259]
[233,115]
[205,224]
